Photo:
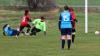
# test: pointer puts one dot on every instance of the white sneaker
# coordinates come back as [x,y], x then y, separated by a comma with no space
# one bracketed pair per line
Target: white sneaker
[27,33]
[16,37]
[73,45]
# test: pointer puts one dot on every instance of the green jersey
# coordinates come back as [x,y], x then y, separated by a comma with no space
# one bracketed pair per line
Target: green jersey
[39,25]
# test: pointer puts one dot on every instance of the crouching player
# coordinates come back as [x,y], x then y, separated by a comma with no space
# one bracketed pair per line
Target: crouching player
[74,20]
[65,26]
[8,31]
[38,26]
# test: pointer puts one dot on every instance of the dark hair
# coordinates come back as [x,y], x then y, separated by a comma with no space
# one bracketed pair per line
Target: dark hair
[66,7]
[71,9]
[42,17]
[26,12]
[5,26]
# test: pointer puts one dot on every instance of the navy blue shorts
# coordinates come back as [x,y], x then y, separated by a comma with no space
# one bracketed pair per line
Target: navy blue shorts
[66,31]
[15,32]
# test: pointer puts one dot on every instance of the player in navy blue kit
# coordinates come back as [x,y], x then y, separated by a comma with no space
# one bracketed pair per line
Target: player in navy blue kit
[65,27]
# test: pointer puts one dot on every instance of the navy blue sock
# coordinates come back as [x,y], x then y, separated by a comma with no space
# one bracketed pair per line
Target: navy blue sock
[63,44]
[69,44]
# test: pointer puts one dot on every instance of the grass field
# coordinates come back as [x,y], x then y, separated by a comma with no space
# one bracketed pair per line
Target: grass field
[49,45]
[78,2]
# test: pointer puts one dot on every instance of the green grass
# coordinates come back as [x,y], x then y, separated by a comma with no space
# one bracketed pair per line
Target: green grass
[85,44]
[70,2]
[78,2]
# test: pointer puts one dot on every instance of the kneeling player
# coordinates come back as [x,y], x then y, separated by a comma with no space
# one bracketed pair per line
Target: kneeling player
[38,25]
[8,31]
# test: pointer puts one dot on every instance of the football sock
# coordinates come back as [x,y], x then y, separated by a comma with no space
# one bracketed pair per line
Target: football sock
[28,30]
[63,44]
[69,44]
[73,37]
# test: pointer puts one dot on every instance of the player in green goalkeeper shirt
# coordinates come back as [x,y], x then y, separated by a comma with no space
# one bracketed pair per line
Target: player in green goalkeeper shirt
[38,26]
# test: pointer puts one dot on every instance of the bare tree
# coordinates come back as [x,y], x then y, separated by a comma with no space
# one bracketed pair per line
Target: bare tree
[41,4]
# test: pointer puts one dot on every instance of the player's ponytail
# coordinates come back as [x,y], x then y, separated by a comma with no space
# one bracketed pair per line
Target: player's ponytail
[5,26]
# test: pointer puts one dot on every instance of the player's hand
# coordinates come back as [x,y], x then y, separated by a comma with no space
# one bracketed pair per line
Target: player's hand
[4,34]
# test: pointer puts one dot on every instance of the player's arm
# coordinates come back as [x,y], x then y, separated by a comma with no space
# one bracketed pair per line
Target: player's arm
[59,23]
[75,20]
[29,19]
[44,28]
[74,17]
[4,33]
[33,22]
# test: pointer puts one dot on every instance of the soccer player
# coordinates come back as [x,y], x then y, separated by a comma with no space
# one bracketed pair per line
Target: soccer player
[25,22]
[65,26]
[38,26]
[8,31]
[74,20]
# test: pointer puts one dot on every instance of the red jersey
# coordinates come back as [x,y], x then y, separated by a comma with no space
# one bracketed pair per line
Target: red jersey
[73,19]
[73,15]
[25,20]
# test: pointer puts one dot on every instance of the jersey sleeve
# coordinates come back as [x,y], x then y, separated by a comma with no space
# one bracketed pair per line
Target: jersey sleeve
[33,22]
[59,23]
[73,15]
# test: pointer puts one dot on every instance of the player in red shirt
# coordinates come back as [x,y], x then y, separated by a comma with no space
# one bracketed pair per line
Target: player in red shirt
[74,20]
[25,22]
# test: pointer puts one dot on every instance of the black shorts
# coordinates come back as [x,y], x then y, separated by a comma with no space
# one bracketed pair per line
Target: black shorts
[66,31]
[73,30]
[22,27]
[34,30]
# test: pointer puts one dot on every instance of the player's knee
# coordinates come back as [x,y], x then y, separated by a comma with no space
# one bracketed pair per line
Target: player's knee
[69,37]
[63,37]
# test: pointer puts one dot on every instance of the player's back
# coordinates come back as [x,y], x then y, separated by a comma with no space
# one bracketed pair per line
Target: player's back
[65,19]
[25,20]
[39,24]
